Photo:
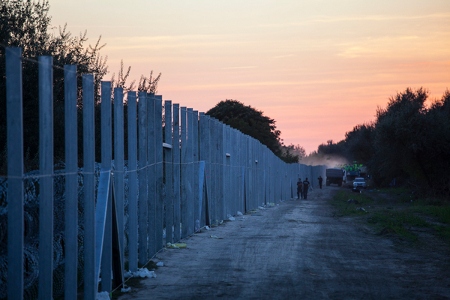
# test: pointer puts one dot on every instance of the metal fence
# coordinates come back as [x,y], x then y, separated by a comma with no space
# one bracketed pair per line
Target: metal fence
[69,228]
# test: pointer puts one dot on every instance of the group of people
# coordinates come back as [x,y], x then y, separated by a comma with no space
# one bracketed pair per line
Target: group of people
[303,187]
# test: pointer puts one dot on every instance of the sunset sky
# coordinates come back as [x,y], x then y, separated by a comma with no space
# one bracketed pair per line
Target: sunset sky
[318,67]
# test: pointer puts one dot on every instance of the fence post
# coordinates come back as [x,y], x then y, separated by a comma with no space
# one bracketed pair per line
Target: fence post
[184,180]
[168,163]
[143,204]
[46,181]
[204,156]
[106,153]
[119,164]
[159,173]
[14,127]
[132,184]
[90,279]
[213,195]
[189,224]
[151,176]
[176,171]
[195,166]
[71,156]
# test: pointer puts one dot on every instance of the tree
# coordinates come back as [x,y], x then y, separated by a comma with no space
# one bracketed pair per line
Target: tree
[358,143]
[26,24]
[249,121]
[398,138]
[292,153]
[432,151]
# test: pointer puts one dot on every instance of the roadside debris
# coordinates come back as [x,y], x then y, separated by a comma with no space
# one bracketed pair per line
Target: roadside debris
[230,217]
[141,272]
[176,245]
[102,296]
[215,237]
[160,264]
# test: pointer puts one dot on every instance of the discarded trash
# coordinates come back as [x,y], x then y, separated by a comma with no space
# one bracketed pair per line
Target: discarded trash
[260,207]
[176,245]
[125,289]
[102,296]
[361,209]
[352,201]
[144,273]
[207,228]
[160,264]
[239,214]
[141,272]
[215,237]
[128,274]
[230,217]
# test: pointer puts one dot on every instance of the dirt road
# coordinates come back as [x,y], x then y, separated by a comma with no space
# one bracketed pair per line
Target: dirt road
[296,250]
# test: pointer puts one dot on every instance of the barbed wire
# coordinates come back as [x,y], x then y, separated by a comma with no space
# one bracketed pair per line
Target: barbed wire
[113,171]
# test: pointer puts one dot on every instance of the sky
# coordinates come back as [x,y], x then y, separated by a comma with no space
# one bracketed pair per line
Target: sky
[317,67]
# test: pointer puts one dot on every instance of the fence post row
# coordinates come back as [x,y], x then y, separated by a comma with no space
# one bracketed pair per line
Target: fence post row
[201,173]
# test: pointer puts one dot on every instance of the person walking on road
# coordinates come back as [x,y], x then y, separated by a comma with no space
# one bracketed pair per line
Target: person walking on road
[299,189]
[320,181]
[305,188]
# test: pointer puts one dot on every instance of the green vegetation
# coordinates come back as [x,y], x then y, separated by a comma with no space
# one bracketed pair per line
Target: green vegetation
[408,143]
[396,212]
[26,24]
[252,122]
[350,204]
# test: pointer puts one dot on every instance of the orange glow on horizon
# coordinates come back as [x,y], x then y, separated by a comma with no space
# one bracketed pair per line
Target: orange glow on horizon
[318,70]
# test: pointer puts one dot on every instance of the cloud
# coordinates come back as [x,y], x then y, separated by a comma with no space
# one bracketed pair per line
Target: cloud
[365,18]
[239,68]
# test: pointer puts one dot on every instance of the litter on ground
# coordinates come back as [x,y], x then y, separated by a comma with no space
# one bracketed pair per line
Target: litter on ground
[141,272]
[176,245]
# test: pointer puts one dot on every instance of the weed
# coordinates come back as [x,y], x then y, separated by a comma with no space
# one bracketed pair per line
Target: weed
[441,212]
[349,203]
[391,211]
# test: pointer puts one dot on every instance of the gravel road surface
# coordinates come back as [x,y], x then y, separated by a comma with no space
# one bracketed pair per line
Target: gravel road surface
[296,250]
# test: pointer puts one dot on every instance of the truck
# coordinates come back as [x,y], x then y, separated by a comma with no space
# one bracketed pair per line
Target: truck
[335,176]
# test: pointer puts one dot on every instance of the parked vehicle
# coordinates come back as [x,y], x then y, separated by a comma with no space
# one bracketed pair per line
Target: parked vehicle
[359,183]
[335,176]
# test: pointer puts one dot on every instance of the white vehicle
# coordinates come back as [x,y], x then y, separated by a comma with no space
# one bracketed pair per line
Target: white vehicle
[359,183]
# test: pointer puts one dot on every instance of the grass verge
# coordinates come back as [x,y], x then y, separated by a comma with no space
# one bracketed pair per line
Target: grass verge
[396,212]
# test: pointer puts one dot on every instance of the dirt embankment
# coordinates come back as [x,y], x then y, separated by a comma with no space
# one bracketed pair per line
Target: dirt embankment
[298,249]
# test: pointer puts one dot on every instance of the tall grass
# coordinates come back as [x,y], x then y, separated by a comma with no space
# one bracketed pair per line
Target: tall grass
[396,211]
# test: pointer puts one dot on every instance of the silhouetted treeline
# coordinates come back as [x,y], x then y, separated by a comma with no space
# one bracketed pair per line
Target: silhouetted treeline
[408,143]
[254,123]
[26,24]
